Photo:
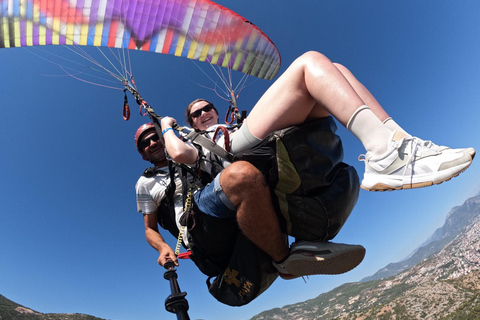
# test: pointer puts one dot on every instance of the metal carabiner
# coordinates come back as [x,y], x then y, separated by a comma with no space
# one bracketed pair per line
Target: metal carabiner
[143,105]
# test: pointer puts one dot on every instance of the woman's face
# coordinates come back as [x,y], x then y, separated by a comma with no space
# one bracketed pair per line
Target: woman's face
[203,115]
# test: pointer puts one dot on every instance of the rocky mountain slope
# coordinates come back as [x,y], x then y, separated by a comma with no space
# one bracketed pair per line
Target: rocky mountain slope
[440,280]
[10,310]
[456,222]
[444,285]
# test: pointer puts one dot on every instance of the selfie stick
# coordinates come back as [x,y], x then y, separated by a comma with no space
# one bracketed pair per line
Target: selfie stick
[175,302]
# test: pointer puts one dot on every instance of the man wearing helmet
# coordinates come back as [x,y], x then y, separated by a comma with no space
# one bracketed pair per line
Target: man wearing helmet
[237,198]
[146,140]
[151,188]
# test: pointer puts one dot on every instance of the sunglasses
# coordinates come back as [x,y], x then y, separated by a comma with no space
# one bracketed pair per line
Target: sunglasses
[145,143]
[198,112]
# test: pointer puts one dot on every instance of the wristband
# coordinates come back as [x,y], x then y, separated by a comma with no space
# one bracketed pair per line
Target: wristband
[164,131]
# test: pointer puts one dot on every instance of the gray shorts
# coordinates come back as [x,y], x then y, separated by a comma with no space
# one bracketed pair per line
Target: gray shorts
[243,139]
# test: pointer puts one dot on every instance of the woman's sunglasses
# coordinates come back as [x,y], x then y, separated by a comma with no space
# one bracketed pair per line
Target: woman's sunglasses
[145,143]
[198,113]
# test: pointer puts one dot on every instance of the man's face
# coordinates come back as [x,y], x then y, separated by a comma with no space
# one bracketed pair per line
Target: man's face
[153,149]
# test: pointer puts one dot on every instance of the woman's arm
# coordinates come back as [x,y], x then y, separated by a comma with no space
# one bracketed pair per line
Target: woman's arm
[178,150]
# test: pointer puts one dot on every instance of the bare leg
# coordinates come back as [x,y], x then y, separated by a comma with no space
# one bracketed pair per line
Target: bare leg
[363,92]
[312,87]
[246,188]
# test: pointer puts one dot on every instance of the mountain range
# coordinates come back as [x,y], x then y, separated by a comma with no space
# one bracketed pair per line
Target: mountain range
[10,310]
[439,280]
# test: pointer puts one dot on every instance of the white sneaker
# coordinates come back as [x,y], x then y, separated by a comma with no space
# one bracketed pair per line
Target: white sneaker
[412,163]
[430,145]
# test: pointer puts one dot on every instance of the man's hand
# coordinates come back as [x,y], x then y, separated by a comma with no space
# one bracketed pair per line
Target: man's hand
[156,240]
[167,254]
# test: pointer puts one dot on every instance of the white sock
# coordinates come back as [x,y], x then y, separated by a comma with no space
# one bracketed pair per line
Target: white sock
[392,125]
[371,132]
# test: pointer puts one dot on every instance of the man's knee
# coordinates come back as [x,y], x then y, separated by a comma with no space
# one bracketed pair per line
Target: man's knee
[241,174]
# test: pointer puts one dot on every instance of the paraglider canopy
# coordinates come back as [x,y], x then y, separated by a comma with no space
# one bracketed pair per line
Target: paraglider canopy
[196,29]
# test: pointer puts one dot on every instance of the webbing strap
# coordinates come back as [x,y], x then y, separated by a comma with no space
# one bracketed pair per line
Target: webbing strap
[210,145]
[192,135]
[156,121]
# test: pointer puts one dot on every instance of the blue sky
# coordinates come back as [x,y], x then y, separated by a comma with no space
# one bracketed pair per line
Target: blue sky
[71,240]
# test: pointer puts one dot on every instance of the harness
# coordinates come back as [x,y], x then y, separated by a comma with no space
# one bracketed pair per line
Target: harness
[166,209]
[166,214]
[313,193]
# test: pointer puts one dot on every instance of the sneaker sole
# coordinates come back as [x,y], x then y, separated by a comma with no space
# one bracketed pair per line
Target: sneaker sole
[386,187]
[287,277]
[335,263]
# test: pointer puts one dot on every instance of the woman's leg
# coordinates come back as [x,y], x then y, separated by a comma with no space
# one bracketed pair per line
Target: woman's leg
[363,92]
[312,87]
[369,99]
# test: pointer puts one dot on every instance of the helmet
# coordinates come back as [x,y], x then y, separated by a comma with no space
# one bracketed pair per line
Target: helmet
[141,131]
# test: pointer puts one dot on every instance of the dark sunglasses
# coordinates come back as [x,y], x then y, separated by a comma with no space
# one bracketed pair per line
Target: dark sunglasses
[145,143]
[198,112]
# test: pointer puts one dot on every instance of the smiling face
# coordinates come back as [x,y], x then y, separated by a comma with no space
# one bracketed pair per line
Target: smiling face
[202,116]
[153,149]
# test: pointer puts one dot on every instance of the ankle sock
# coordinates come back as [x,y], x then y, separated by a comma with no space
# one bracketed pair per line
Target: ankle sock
[392,125]
[371,132]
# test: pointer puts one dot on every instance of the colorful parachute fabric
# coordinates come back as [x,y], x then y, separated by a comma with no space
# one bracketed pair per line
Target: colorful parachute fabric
[196,29]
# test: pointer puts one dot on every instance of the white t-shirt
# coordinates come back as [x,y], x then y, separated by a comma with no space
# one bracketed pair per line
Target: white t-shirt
[151,191]
[220,141]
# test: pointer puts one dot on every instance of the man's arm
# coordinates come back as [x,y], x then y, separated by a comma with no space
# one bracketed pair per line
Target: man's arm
[156,240]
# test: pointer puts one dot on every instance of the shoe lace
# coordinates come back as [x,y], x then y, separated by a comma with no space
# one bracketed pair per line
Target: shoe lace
[411,145]
[425,143]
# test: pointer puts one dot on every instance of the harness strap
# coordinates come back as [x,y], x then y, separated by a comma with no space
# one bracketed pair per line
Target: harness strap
[171,188]
[210,145]
[192,135]
[126,108]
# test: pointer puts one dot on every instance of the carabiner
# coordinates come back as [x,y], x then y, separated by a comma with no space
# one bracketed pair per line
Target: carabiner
[144,106]
[226,136]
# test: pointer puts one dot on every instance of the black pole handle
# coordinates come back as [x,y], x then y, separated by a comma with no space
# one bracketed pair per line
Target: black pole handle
[175,302]
[169,265]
